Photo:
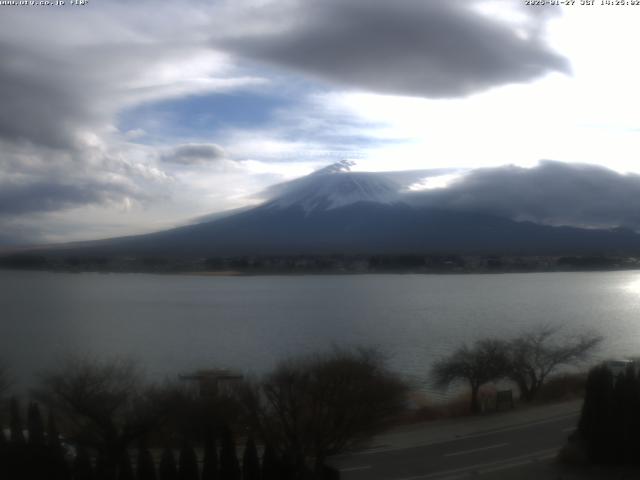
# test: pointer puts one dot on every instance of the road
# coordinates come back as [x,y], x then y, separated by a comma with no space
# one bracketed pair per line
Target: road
[475,454]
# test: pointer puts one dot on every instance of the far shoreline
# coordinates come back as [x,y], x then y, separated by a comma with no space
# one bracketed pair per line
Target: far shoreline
[239,274]
[322,264]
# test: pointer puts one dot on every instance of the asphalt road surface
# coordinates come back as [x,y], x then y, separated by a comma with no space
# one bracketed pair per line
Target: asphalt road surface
[476,455]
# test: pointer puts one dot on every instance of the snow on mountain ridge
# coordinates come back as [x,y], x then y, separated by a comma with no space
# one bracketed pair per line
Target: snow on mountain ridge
[334,187]
[342,166]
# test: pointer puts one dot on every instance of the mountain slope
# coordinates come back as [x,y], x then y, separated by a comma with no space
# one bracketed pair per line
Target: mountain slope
[364,228]
[337,211]
[333,187]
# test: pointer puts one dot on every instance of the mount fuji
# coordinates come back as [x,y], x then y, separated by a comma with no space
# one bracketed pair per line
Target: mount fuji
[335,187]
[337,211]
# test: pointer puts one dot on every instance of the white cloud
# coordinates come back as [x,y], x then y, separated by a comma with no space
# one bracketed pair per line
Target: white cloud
[67,75]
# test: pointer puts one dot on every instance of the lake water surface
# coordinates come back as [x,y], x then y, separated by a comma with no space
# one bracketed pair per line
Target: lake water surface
[177,323]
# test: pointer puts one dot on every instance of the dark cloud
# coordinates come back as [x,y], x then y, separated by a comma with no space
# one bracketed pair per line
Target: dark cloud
[65,75]
[57,105]
[552,193]
[444,48]
[53,99]
[42,196]
[194,154]
[36,106]
[70,72]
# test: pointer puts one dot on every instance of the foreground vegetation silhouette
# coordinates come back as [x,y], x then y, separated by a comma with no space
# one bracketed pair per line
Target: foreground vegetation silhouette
[527,360]
[105,422]
[610,418]
[115,426]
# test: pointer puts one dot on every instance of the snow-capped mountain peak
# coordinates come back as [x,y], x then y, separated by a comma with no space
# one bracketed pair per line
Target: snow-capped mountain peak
[342,166]
[333,187]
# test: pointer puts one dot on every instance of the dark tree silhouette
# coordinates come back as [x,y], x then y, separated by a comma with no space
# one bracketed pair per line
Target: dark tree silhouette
[187,463]
[624,418]
[146,468]
[58,468]
[318,406]
[82,468]
[5,382]
[191,413]
[610,416]
[35,425]
[229,465]
[210,461]
[250,461]
[486,360]
[4,461]
[36,458]
[270,464]
[105,469]
[534,355]
[53,437]
[104,403]
[125,471]
[595,426]
[330,473]
[16,425]
[168,469]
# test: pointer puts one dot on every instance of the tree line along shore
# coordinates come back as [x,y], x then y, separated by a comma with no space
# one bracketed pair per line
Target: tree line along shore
[319,264]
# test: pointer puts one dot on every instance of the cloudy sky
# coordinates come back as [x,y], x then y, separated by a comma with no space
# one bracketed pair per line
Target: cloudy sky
[119,117]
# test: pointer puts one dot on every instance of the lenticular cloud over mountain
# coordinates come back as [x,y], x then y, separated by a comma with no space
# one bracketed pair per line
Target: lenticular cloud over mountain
[551,193]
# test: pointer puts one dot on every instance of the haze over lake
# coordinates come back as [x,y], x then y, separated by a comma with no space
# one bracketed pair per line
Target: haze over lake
[177,323]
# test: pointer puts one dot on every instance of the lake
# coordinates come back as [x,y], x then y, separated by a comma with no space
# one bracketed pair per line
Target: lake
[177,323]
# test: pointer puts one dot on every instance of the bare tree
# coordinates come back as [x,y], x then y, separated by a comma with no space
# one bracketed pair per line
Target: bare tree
[484,361]
[322,405]
[103,404]
[534,355]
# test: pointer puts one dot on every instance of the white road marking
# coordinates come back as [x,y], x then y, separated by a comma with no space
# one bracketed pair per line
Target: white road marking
[569,429]
[353,469]
[486,467]
[464,452]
